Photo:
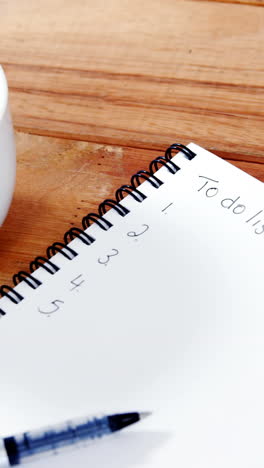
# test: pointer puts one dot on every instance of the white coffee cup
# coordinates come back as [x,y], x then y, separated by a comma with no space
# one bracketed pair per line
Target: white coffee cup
[7,151]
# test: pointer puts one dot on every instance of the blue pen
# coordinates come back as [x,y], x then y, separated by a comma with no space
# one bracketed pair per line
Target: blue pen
[28,446]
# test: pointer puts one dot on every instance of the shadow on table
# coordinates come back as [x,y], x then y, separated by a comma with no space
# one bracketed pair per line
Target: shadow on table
[124,450]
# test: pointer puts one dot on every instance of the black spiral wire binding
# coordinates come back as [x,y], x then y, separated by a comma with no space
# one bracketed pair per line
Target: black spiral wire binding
[13,295]
[77,232]
[44,263]
[135,193]
[145,175]
[121,210]
[171,166]
[96,218]
[104,224]
[64,249]
[178,147]
[25,276]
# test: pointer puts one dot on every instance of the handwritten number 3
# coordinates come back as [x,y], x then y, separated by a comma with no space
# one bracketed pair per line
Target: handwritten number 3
[113,254]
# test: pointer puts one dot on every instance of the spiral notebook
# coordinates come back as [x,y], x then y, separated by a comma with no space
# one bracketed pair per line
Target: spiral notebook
[157,304]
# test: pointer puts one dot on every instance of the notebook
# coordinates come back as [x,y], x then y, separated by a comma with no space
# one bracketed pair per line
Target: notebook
[157,305]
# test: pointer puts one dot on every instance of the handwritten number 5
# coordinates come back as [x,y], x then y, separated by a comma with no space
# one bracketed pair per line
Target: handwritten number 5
[55,307]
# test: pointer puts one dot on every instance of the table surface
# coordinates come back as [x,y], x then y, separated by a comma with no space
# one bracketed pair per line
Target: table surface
[98,89]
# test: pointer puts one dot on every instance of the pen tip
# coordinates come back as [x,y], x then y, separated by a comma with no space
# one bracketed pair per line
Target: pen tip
[144,414]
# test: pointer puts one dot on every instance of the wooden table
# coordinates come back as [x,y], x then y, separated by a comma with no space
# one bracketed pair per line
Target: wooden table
[98,89]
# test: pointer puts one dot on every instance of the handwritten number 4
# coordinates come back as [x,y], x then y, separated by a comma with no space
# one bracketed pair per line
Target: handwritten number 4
[78,281]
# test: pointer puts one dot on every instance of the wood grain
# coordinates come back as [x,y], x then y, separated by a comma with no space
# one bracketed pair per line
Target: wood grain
[65,181]
[151,74]
[98,89]
[240,2]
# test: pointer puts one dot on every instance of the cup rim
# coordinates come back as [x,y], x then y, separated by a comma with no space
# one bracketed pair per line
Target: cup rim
[3,93]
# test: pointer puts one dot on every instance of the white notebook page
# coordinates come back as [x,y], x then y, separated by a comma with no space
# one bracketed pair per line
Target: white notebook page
[172,323]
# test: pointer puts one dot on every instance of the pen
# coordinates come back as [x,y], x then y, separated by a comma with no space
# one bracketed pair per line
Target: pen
[22,448]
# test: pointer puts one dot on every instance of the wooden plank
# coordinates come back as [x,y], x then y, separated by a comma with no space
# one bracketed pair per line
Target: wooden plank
[188,70]
[60,181]
[240,2]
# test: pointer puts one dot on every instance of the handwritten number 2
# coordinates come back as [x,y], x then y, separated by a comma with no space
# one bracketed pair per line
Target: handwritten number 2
[136,234]
[107,259]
